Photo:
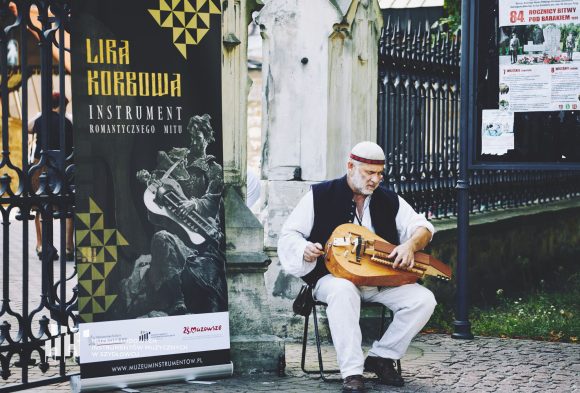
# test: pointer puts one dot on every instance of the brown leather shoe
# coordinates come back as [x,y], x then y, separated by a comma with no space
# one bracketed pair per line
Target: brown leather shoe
[385,370]
[353,384]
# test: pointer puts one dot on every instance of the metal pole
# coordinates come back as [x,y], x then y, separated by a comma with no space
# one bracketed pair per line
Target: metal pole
[462,326]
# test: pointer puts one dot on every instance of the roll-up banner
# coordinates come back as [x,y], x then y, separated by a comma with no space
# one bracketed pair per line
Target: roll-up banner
[149,225]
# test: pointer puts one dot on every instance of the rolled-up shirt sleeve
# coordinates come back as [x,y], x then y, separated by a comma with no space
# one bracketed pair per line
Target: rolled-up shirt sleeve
[292,240]
[408,221]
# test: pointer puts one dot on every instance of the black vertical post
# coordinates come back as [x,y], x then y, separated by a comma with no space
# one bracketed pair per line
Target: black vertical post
[462,326]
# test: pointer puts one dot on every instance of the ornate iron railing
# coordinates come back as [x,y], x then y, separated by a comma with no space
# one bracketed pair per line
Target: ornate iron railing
[37,319]
[418,127]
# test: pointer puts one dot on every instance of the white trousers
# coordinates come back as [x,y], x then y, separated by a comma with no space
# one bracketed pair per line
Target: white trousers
[412,305]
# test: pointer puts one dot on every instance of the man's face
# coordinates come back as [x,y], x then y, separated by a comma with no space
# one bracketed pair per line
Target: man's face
[196,138]
[364,178]
[211,137]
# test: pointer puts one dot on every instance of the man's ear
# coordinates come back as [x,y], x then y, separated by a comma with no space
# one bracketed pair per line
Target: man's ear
[349,165]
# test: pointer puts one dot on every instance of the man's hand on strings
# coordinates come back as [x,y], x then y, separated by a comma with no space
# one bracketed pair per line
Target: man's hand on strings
[404,255]
[190,205]
[312,251]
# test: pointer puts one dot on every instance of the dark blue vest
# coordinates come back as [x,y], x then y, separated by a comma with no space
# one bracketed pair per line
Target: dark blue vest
[334,205]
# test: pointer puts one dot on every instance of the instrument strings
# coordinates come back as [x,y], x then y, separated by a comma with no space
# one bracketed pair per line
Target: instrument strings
[192,220]
[381,257]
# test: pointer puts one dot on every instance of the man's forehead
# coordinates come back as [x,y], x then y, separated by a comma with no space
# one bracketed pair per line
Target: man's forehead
[371,167]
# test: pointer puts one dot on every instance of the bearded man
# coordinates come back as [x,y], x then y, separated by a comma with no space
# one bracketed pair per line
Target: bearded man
[180,277]
[360,198]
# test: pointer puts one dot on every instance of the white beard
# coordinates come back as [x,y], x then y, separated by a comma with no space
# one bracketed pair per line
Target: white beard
[359,183]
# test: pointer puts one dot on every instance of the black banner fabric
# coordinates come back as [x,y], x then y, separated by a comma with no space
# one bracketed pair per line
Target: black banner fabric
[149,181]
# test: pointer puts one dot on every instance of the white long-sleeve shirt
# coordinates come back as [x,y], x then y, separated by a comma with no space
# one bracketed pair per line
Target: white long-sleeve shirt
[299,223]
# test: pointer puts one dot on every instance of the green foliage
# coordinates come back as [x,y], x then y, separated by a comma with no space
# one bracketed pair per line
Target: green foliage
[542,315]
[452,7]
[451,22]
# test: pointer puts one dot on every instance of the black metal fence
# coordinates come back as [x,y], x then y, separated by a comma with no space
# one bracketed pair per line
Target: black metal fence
[418,127]
[37,320]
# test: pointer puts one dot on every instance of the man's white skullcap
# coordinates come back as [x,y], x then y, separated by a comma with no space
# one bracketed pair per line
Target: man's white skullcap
[368,152]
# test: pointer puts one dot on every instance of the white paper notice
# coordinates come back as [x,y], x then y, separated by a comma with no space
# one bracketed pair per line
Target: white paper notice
[541,87]
[565,87]
[528,12]
[524,88]
[539,63]
[497,131]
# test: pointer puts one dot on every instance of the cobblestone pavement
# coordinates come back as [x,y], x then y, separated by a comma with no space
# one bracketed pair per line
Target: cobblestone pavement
[434,363]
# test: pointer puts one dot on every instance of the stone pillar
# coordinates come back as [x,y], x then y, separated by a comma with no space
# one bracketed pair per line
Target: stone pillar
[253,345]
[234,90]
[320,90]
[320,72]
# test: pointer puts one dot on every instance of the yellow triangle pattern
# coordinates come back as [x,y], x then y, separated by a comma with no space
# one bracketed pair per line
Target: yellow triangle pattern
[82,268]
[201,33]
[107,234]
[86,252]
[81,235]
[101,290]
[192,24]
[100,257]
[189,39]
[87,317]
[213,9]
[85,219]
[177,31]
[93,208]
[87,285]
[168,22]
[163,6]
[180,16]
[97,245]
[95,274]
[182,48]
[95,241]
[83,301]
[204,18]
[109,299]
[121,241]
[99,224]
[112,250]
[108,267]
[188,18]
[187,7]
[97,309]
[156,14]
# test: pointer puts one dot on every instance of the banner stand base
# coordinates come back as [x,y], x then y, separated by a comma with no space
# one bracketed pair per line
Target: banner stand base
[79,384]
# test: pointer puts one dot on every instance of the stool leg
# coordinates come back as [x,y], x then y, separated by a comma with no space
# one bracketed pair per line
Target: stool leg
[304,340]
[318,348]
[383,314]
